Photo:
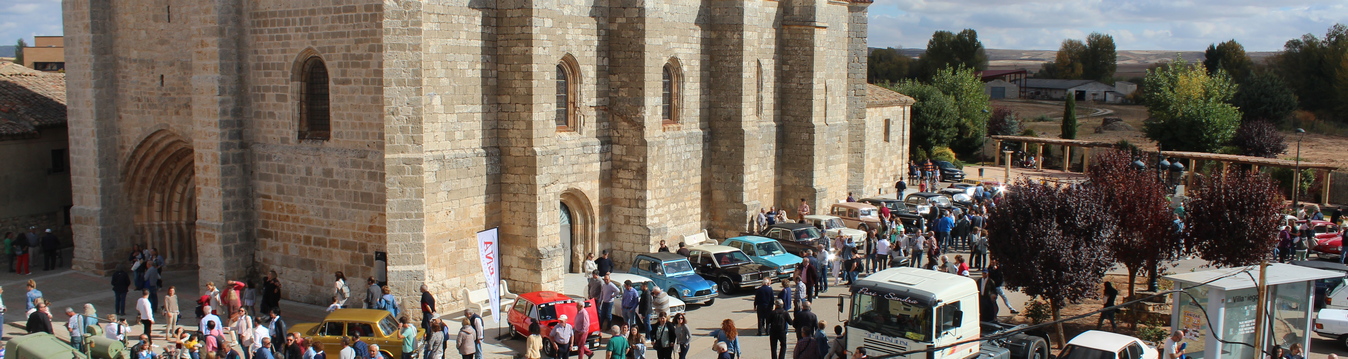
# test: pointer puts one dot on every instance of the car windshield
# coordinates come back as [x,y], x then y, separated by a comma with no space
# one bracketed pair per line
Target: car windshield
[1076,352]
[676,267]
[732,257]
[891,318]
[388,325]
[833,223]
[548,311]
[770,249]
[805,234]
[941,201]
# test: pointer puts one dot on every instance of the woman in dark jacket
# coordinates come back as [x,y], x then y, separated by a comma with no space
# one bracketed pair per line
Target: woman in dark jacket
[662,336]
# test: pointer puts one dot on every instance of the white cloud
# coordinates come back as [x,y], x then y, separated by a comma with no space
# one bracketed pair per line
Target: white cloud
[1135,24]
[29,17]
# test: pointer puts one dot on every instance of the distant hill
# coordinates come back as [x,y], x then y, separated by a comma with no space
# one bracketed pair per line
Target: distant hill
[1126,57]
[7,51]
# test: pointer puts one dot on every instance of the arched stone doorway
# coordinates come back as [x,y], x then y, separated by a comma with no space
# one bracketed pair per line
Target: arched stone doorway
[577,230]
[161,185]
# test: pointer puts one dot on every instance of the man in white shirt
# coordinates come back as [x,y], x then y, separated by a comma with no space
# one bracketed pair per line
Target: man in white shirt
[1171,345]
[116,328]
[881,253]
[260,331]
[209,317]
[76,328]
[146,310]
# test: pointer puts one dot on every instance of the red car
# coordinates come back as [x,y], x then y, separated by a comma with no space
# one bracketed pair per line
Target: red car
[1327,236]
[544,308]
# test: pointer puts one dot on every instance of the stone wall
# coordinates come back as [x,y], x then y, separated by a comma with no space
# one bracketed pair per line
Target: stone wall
[885,158]
[29,185]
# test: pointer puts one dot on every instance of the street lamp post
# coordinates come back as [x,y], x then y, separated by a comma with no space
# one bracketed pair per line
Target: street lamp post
[1296,173]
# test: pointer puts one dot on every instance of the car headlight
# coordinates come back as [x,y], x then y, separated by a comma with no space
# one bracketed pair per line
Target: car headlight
[687,292]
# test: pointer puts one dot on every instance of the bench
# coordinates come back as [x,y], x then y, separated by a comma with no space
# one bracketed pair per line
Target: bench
[698,238]
[480,301]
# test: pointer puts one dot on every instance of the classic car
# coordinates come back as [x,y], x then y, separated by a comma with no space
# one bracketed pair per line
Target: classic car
[766,251]
[949,172]
[925,202]
[897,208]
[1328,239]
[857,215]
[960,197]
[673,273]
[797,237]
[730,268]
[546,308]
[676,305]
[1095,344]
[374,326]
[833,227]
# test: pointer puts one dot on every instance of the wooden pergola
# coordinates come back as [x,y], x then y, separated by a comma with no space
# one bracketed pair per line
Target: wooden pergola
[1226,160]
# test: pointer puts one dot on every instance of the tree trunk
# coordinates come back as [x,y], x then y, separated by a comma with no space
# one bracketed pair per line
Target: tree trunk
[1132,279]
[1062,335]
[1132,310]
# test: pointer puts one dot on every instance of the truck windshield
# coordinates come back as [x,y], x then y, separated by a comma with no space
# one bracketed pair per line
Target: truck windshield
[891,317]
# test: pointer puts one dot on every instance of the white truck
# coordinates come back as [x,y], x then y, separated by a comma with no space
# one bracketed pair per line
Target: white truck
[908,309]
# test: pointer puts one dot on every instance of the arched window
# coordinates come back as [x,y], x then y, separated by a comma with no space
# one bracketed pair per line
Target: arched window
[567,88]
[669,93]
[315,114]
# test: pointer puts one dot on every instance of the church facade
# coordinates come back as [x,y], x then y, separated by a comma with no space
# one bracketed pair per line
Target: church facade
[377,137]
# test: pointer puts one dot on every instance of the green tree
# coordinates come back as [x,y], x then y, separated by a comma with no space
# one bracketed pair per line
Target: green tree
[1188,108]
[972,106]
[18,51]
[1100,59]
[1069,119]
[887,65]
[1229,56]
[946,49]
[1067,63]
[935,118]
[1265,96]
[1317,70]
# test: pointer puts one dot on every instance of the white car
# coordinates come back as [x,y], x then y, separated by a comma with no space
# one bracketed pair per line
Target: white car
[1333,323]
[676,306]
[1095,344]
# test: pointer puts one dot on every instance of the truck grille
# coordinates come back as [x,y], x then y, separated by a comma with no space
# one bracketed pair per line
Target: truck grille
[703,292]
[878,347]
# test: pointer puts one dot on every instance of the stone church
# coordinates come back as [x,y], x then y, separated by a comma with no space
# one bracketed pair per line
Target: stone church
[377,137]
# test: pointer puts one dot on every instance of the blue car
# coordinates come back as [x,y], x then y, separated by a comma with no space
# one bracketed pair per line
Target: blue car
[673,273]
[768,252]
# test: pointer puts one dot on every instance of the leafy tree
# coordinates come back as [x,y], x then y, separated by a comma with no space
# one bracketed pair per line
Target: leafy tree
[1188,108]
[1069,119]
[887,65]
[1059,238]
[1144,237]
[1100,59]
[1229,56]
[1067,63]
[1259,138]
[1096,59]
[971,105]
[935,117]
[946,49]
[1233,218]
[1003,122]
[1265,96]
[1317,70]
[18,51]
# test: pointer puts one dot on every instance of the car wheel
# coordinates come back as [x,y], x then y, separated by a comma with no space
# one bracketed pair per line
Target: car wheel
[675,292]
[1343,339]
[726,286]
[386,355]
[516,334]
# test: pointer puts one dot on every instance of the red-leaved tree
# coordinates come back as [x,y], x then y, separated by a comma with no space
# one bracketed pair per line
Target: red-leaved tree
[1136,202]
[1053,242]
[1233,218]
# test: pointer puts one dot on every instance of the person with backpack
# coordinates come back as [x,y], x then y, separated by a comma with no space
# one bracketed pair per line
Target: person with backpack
[340,289]
[388,302]
[837,348]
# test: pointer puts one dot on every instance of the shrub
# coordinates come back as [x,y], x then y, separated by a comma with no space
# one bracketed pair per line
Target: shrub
[943,154]
[1259,138]
[1003,122]
[1037,310]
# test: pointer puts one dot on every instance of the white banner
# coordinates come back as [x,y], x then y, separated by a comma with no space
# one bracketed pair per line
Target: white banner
[489,252]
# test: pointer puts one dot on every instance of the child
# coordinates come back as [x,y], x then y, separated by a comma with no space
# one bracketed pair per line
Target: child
[249,296]
[336,304]
[638,346]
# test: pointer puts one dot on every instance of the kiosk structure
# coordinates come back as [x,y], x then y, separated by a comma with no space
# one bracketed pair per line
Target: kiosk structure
[1222,304]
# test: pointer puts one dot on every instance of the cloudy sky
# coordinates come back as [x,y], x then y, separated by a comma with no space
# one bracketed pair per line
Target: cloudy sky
[1260,25]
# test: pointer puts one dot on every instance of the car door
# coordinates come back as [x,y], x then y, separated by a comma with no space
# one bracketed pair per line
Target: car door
[641,267]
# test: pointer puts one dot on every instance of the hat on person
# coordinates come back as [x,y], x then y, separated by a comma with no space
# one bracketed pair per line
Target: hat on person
[562,318]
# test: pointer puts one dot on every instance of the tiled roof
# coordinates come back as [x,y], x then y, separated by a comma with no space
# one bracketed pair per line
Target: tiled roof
[1056,84]
[30,100]
[877,96]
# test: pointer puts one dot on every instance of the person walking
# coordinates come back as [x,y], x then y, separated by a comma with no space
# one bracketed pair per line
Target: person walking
[146,310]
[805,321]
[763,299]
[729,335]
[1110,295]
[683,337]
[340,288]
[778,325]
[997,278]
[171,312]
[943,227]
[662,337]
[372,293]
[271,292]
[582,328]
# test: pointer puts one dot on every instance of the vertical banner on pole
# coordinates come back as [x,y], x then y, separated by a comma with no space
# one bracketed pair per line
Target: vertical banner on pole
[489,252]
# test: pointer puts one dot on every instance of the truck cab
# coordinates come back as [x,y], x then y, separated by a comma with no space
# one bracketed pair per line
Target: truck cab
[901,310]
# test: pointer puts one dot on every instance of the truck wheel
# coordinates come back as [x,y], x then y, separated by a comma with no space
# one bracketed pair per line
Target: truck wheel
[1035,348]
[727,287]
